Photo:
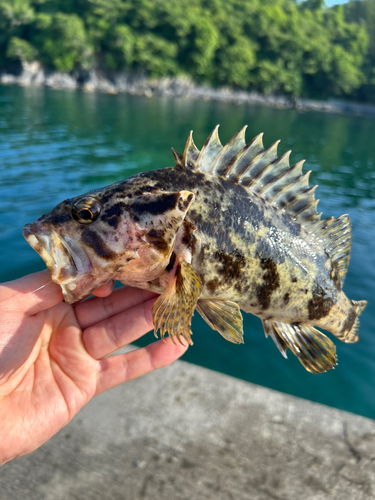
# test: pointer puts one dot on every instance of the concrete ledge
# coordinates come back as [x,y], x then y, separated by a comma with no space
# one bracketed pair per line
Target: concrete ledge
[185,432]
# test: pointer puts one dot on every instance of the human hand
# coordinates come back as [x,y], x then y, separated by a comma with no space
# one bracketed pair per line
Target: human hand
[54,356]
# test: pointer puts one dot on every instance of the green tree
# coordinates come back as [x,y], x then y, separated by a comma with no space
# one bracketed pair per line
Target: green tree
[62,41]
[21,50]
[14,15]
[363,12]
[236,62]
[275,46]
[155,55]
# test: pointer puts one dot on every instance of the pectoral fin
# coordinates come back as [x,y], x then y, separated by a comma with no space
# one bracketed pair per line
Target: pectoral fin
[223,316]
[313,349]
[173,310]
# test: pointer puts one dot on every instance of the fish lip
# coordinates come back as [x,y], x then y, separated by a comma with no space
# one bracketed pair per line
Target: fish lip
[67,264]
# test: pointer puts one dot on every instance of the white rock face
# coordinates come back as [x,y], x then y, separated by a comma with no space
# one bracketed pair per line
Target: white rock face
[140,84]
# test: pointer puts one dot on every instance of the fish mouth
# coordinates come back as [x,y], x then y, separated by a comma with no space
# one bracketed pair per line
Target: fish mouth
[68,265]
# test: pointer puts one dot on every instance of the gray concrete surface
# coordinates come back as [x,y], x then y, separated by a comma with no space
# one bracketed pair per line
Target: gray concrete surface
[185,432]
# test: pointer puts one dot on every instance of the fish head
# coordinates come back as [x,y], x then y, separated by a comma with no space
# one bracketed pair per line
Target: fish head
[88,240]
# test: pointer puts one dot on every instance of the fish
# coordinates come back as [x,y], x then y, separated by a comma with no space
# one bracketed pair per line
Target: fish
[227,228]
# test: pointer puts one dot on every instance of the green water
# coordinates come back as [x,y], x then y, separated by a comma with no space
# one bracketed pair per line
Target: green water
[59,144]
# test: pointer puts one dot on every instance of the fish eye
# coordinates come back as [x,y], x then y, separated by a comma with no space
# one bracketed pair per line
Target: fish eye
[86,210]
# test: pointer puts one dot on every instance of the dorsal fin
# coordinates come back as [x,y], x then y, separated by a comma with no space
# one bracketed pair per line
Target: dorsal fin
[229,152]
[190,153]
[271,177]
[258,165]
[177,157]
[257,169]
[248,153]
[210,151]
[337,238]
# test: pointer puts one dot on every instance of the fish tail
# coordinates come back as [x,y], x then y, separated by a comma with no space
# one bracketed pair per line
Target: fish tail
[349,331]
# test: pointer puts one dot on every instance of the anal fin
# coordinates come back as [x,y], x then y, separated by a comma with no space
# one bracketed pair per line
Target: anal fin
[223,316]
[313,349]
[174,308]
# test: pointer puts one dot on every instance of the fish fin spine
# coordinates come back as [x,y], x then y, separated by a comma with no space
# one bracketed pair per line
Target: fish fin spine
[313,349]
[178,158]
[243,157]
[211,149]
[190,153]
[269,330]
[228,153]
[224,316]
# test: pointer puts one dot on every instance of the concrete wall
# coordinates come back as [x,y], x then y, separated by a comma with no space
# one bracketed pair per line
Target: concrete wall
[185,432]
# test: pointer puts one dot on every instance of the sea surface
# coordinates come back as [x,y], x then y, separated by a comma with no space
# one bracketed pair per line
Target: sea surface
[57,144]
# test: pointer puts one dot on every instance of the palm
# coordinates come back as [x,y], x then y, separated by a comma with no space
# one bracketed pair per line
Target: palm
[54,360]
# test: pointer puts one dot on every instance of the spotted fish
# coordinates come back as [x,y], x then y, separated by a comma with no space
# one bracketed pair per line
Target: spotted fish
[226,228]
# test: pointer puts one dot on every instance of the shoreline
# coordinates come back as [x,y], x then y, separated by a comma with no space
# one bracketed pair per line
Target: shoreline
[33,74]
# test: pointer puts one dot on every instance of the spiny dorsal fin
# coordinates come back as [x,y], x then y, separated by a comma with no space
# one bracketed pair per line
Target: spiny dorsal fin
[248,153]
[336,236]
[190,153]
[177,157]
[229,152]
[257,169]
[257,165]
[209,152]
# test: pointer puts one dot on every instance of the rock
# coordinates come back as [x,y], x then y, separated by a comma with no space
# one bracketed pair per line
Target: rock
[140,84]
[58,80]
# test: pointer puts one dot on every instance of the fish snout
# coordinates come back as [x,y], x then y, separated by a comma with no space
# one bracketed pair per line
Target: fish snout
[53,250]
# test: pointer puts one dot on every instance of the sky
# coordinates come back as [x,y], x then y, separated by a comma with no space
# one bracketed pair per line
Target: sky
[329,3]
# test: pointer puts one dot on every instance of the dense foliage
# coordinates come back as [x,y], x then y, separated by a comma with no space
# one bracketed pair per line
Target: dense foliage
[279,46]
[363,12]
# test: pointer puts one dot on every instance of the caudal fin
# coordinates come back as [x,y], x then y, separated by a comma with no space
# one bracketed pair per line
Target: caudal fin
[349,333]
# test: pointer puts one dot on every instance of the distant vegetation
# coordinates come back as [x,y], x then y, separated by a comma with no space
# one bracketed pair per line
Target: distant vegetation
[273,46]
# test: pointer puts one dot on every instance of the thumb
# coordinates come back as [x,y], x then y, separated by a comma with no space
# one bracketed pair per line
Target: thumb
[31,294]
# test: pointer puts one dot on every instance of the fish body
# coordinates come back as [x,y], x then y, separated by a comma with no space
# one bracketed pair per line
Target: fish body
[227,228]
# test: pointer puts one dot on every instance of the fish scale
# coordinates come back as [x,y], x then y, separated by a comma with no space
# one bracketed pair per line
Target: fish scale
[227,228]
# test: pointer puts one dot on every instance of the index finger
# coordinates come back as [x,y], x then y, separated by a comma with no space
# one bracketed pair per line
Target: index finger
[31,294]
[121,368]
[90,312]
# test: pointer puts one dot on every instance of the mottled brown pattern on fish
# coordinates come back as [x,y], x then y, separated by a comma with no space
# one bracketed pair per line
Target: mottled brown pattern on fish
[188,238]
[246,233]
[237,230]
[112,215]
[94,241]
[271,282]
[236,233]
[171,263]
[320,304]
